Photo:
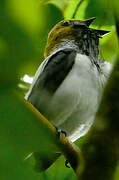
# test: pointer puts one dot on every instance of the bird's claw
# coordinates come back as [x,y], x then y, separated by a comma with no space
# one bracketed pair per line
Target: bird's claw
[60,132]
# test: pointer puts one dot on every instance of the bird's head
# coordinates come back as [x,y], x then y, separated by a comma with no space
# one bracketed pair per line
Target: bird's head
[76,31]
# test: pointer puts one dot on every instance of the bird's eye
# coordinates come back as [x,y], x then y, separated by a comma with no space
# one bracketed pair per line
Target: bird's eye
[66,23]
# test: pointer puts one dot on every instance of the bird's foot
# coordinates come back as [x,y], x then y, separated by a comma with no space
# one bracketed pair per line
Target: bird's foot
[60,132]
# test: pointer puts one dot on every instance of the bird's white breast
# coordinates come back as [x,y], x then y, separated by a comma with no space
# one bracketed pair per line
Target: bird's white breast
[75,103]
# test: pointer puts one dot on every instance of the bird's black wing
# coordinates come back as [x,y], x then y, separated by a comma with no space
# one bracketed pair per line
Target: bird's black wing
[51,75]
[56,70]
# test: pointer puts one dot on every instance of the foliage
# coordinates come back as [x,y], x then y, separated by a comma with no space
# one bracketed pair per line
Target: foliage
[24,27]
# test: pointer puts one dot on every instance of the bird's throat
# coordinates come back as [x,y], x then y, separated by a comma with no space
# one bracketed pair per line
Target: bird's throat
[85,45]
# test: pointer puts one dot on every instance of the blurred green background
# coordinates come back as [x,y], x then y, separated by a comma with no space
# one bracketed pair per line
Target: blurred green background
[24,27]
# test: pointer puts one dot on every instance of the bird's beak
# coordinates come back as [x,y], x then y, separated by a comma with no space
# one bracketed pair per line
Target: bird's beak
[101,33]
[88,21]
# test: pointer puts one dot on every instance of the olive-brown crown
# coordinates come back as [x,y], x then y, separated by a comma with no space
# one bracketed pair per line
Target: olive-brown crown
[68,29]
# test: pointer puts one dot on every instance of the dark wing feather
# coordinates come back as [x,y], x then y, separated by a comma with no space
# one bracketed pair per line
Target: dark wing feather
[56,70]
[53,74]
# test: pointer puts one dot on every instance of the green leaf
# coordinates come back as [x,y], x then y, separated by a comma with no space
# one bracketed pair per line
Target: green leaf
[21,133]
[23,34]
[51,15]
[16,45]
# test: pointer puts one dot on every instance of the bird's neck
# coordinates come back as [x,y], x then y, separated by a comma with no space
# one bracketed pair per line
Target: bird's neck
[88,47]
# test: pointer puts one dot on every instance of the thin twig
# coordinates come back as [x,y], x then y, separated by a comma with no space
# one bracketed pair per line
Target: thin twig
[77,7]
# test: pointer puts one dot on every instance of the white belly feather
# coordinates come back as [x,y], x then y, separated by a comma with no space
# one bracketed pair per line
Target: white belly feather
[75,103]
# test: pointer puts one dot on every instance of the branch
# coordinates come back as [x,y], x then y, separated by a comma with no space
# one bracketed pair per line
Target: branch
[67,148]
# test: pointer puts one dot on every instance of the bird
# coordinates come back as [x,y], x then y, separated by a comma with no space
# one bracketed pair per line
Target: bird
[68,85]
